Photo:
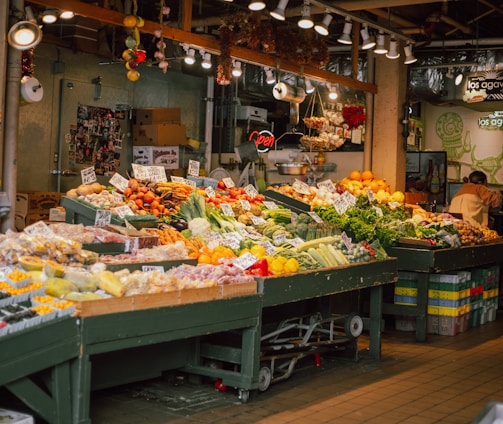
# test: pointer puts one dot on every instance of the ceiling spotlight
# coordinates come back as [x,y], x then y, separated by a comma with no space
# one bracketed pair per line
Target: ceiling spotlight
[256,5]
[306,21]
[24,35]
[206,63]
[459,79]
[279,12]
[269,76]
[236,70]
[332,93]
[309,87]
[367,42]
[66,14]
[190,58]
[49,16]
[323,27]
[409,56]
[449,74]
[381,44]
[392,53]
[345,37]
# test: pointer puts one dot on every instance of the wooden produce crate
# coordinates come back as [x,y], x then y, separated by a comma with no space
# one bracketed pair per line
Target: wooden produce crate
[159,300]
[287,201]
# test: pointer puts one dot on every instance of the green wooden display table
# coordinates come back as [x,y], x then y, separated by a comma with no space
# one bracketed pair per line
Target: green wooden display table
[430,261]
[136,345]
[326,282]
[47,350]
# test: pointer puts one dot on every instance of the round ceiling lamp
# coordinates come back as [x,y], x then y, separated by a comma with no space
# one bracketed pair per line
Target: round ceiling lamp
[24,35]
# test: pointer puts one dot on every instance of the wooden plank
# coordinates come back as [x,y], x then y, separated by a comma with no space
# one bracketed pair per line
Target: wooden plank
[203,294]
[232,290]
[155,300]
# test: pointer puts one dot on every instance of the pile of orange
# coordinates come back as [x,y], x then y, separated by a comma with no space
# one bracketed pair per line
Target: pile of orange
[215,255]
[368,180]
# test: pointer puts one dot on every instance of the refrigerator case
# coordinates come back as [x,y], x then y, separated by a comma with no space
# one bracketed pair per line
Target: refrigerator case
[426,176]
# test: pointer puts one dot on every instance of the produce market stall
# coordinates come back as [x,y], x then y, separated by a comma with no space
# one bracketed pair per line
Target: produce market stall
[427,262]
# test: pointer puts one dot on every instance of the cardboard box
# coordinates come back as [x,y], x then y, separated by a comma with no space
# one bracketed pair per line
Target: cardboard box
[31,218]
[80,32]
[157,115]
[159,135]
[37,201]
[13,417]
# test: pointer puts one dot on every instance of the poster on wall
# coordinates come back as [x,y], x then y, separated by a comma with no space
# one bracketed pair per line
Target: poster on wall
[96,139]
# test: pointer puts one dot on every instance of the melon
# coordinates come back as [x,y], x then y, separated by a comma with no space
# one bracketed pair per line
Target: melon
[31,263]
[53,269]
[59,287]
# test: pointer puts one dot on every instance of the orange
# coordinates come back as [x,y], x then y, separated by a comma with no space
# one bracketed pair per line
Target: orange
[367,175]
[129,21]
[204,259]
[133,75]
[355,175]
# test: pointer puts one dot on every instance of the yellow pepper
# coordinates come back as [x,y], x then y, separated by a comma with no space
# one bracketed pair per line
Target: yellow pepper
[291,266]
[276,267]
[259,251]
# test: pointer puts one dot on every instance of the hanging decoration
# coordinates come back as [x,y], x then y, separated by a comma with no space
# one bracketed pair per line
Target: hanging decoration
[354,116]
[30,89]
[159,40]
[133,55]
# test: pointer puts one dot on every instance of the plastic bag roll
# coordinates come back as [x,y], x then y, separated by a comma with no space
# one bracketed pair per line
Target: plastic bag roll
[288,93]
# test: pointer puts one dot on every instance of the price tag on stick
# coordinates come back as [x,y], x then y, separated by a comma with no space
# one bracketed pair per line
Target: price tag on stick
[88,175]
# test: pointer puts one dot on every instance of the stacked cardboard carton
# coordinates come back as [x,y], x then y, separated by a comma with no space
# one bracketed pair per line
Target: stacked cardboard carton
[33,206]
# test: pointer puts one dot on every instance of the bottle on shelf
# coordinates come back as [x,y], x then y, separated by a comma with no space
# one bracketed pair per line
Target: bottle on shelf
[321,158]
[435,181]
[441,175]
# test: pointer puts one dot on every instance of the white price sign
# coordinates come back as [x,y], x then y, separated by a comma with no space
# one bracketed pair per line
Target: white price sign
[103,217]
[297,241]
[301,187]
[294,217]
[119,182]
[370,195]
[328,184]
[156,268]
[228,182]
[315,217]
[344,202]
[378,210]
[140,172]
[245,261]
[88,175]
[176,179]
[270,249]
[231,241]
[157,174]
[245,204]
[123,211]
[347,241]
[193,169]
[210,192]
[257,220]
[279,239]
[227,209]
[270,205]
[117,197]
[251,191]
[39,228]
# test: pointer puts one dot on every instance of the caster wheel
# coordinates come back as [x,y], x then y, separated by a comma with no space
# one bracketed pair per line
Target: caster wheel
[353,325]
[264,379]
[244,395]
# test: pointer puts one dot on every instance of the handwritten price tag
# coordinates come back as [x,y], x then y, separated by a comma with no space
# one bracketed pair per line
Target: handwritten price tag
[257,220]
[157,174]
[301,187]
[193,169]
[227,209]
[210,192]
[370,195]
[140,172]
[347,241]
[148,268]
[251,191]
[124,211]
[328,184]
[88,175]
[270,249]
[245,204]
[315,217]
[228,182]
[279,239]
[39,228]
[119,182]
[270,205]
[103,217]
[245,261]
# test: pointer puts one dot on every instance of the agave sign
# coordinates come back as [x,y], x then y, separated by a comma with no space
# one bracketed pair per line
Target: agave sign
[484,87]
[493,121]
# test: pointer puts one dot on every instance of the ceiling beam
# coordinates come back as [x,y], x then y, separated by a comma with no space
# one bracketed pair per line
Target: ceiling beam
[209,44]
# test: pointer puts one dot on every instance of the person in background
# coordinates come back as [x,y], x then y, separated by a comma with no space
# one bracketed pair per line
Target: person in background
[474,199]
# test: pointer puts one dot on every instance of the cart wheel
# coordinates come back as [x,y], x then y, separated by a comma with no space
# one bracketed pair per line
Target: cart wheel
[264,378]
[244,395]
[353,325]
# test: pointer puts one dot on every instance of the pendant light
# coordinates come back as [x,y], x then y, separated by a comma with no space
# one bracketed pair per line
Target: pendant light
[367,42]
[306,22]
[392,53]
[236,70]
[381,44]
[322,28]
[279,12]
[256,5]
[345,37]
[409,56]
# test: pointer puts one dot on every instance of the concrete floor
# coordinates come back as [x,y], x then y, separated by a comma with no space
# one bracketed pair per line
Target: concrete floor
[448,380]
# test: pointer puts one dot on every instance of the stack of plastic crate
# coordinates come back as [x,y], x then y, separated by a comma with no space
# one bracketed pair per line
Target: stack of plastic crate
[406,294]
[448,303]
[488,277]
[476,300]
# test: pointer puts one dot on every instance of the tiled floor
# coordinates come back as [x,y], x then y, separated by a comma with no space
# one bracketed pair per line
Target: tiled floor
[448,379]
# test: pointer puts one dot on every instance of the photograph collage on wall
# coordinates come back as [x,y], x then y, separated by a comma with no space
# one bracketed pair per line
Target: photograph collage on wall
[96,139]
